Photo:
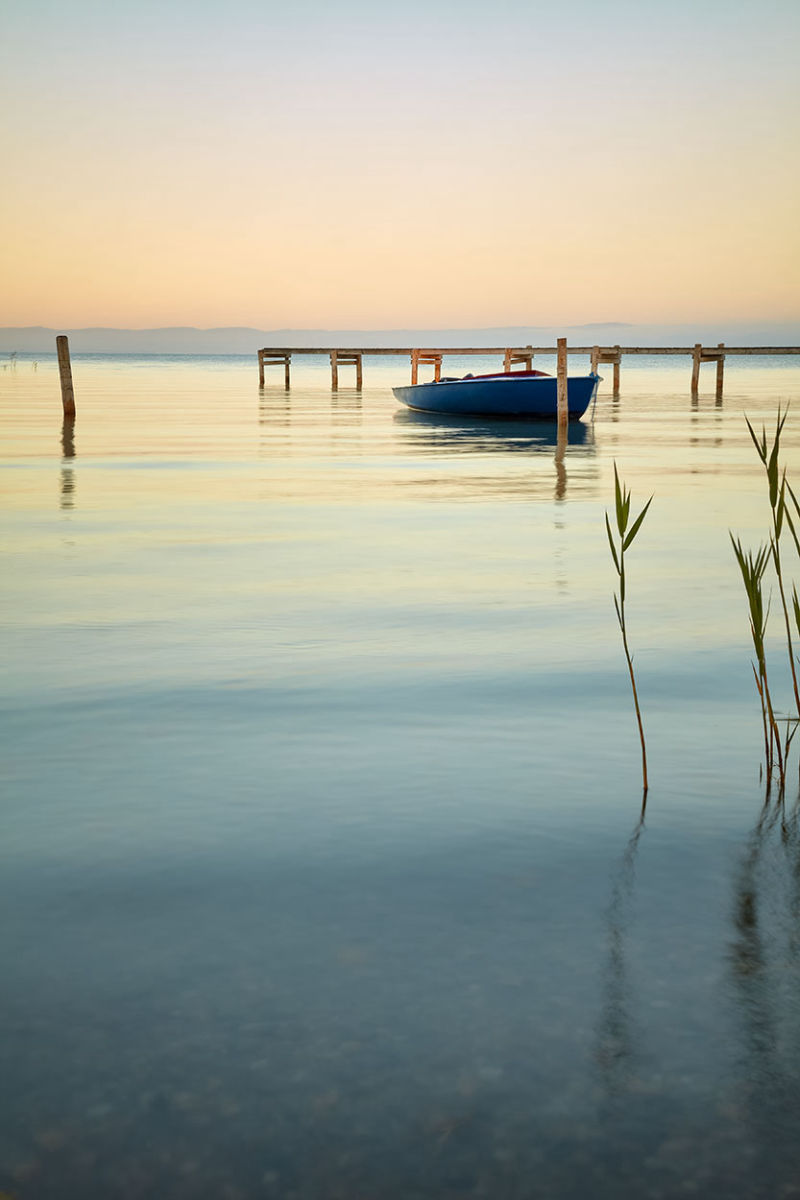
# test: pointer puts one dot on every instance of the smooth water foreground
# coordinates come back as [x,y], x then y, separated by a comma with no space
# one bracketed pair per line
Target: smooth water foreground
[323,871]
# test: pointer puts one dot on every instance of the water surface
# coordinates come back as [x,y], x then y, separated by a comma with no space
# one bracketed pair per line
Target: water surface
[323,866]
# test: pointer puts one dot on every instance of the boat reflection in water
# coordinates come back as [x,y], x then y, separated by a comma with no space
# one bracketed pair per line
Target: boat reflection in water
[477,436]
[496,433]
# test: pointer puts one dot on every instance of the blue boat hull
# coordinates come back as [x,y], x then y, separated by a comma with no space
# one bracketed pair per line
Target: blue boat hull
[522,396]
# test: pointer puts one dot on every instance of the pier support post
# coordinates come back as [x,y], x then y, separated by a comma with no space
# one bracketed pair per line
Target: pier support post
[717,355]
[419,357]
[65,375]
[561,386]
[339,357]
[608,354]
[269,358]
[513,357]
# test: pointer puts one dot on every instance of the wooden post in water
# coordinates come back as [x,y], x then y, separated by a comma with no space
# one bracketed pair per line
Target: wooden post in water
[261,368]
[334,370]
[698,350]
[720,369]
[561,386]
[65,374]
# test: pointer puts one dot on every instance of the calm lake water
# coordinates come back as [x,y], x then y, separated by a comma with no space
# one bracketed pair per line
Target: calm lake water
[322,872]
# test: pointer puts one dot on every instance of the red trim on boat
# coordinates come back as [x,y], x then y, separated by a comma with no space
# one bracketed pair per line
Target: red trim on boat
[511,375]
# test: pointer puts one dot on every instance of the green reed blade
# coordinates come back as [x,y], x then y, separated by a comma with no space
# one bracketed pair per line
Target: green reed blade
[618,501]
[772,474]
[613,547]
[636,525]
[761,447]
[780,509]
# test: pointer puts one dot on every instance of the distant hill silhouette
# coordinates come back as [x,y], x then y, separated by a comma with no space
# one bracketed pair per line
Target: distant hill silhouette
[239,340]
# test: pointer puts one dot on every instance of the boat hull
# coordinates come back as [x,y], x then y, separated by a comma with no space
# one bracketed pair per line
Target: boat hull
[533,397]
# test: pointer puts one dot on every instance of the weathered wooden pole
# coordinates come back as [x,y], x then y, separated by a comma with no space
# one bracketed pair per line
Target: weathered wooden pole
[696,353]
[334,370]
[617,358]
[65,374]
[261,368]
[720,369]
[561,386]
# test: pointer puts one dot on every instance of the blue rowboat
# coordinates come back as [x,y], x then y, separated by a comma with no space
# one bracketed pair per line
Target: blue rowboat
[521,394]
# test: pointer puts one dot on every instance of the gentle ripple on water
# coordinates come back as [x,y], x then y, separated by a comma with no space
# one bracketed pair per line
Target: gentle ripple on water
[323,873]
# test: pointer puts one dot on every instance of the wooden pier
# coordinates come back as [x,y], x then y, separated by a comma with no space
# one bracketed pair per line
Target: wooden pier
[512,356]
[606,355]
[699,355]
[344,357]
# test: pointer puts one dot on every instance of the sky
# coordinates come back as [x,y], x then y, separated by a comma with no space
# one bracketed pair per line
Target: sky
[367,165]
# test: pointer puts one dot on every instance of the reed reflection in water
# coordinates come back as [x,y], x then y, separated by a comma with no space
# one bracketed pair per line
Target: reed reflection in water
[615,1052]
[764,960]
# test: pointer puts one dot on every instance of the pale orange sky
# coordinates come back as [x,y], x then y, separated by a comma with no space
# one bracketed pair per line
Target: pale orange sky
[447,164]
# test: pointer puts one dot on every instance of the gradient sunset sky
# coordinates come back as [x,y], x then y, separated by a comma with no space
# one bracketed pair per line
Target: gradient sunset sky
[420,164]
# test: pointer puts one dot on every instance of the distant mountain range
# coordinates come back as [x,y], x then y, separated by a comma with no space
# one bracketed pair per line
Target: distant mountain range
[237,340]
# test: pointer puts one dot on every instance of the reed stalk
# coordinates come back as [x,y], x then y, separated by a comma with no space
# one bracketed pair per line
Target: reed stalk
[622,506]
[785,512]
[752,566]
[781,518]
